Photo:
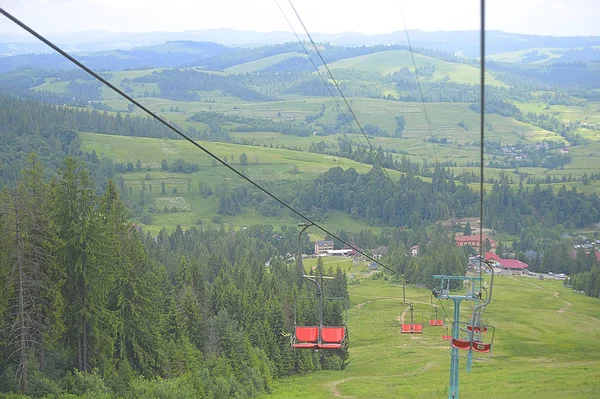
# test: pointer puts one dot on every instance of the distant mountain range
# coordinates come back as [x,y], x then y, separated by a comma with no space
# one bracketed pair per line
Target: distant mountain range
[464,43]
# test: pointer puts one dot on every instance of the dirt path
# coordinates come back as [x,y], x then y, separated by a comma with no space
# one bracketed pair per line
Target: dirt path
[383,298]
[526,282]
[403,315]
[360,305]
[586,316]
[569,304]
[333,386]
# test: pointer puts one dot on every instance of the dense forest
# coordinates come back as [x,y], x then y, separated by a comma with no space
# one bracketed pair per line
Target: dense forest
[50,130]
[92,306]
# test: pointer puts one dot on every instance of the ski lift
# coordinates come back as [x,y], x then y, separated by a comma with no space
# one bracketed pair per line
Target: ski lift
[435,321]
[412,327]
[448,336]
[474,338]
[321,336]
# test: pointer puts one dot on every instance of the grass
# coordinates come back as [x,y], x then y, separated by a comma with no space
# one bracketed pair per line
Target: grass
[578,111]
[387,62]
[264,165]
[538,352]
[518,56]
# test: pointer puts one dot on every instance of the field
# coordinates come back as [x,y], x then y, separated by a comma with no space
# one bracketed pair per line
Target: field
[521,55]
[387,62]
[444,117]
[542,347]
[182,190]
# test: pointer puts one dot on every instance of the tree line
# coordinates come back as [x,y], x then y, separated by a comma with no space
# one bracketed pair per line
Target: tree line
[91,306]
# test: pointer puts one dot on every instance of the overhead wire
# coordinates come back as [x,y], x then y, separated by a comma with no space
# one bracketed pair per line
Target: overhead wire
[412,56]
[337,102]
[481,127]
[50,44]
[336,84]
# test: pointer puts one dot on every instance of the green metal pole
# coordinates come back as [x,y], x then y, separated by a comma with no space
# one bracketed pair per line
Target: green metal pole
[453,392]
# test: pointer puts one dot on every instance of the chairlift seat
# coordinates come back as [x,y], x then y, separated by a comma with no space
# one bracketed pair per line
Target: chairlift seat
[406,328]
[477,329]
[307,334]
[481,347]
[332,334]
[329,346]
[461,343]
[447,337]
[417,328]
[435,322]
[307,345]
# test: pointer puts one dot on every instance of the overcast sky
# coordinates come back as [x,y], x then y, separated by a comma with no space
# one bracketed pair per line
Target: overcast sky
[542,17]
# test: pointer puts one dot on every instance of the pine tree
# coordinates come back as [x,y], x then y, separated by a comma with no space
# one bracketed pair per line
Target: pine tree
[32,277]
[88,261]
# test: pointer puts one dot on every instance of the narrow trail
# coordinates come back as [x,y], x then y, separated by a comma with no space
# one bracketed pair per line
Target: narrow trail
[333,386]
[526,282]
[403,315]
[389,298]
[360,305]
[586,316]
[569,304]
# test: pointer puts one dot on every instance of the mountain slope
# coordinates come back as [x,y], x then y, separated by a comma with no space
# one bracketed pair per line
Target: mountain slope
[257,65]
[387,62]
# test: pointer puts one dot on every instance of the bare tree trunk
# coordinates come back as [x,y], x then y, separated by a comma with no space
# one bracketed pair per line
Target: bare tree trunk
[85,346]
[79,352]
[23,366]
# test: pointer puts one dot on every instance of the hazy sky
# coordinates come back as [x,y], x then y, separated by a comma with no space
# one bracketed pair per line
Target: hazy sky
[543,17]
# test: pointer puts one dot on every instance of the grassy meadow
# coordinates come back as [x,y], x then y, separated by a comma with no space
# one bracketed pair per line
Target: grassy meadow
[182,190]
[542,346]
[388,62]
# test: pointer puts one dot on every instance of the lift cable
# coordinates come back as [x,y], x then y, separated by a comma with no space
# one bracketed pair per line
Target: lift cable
[481,128]
[183,135]
[337,101]
[412,56]
[336,84]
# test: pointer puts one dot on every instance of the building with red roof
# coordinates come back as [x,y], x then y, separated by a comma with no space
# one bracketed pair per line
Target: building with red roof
[473,241]
[514,266]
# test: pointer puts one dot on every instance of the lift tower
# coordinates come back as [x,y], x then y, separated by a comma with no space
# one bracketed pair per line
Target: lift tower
[473,342]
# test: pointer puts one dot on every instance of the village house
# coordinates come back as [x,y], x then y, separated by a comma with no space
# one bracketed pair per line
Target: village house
[474,241]
[414,250]
[379,252]
[321,247]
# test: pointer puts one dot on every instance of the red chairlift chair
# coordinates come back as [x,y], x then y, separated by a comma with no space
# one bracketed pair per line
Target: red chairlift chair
[321,336]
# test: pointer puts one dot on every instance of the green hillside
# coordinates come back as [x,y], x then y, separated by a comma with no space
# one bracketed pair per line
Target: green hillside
[262,63]
[541,347]
[529,56]
[387,62]
[265,165]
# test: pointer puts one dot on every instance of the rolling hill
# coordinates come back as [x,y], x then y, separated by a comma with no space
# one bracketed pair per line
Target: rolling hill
[387,62]
[257,65]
